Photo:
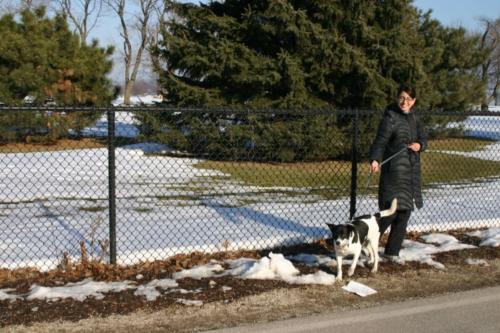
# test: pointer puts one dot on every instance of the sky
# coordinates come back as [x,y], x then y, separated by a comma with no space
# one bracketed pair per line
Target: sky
[461,12]
[453,13]
[465,13]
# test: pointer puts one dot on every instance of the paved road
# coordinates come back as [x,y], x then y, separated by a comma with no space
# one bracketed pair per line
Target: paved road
[470,311]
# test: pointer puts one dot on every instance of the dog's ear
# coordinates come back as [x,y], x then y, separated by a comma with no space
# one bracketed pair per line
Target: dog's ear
[332,227]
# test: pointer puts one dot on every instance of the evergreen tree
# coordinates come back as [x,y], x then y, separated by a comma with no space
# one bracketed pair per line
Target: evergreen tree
[450,59]
[40,56]
[303,54]
[310,53]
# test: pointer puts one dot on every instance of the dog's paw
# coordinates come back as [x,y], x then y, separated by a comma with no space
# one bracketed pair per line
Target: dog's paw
[350,272]
[374,270]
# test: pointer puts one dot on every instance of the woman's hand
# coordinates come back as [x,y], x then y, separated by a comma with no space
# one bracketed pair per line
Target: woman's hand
[374,167]
[415,147]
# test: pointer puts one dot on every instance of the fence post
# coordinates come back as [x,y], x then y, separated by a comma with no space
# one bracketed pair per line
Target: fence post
[354,163]
[111,186]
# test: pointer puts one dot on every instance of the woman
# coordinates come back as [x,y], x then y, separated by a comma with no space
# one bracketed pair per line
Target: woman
[400,177]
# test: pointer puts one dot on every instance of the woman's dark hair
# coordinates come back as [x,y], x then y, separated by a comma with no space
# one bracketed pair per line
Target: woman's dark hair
[409,89]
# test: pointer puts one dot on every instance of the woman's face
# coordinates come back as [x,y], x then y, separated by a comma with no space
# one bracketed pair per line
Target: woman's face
[405,102]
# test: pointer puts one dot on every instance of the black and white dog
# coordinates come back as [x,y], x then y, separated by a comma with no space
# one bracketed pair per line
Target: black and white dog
[361,232]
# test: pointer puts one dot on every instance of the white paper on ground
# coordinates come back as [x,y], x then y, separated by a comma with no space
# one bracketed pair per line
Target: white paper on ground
[359,289]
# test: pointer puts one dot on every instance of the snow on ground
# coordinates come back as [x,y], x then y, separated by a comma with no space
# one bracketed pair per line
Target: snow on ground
[445,242]
[434,243]
[275,266]
[46,212]
[189,302]
[125,123]
[489,237]
[166,205]
[482,127]
[150,291]
[411,251]
[477,262]
[77,290]
[5,294]
[199,272]
[53,201]
[421,252]
[139,100]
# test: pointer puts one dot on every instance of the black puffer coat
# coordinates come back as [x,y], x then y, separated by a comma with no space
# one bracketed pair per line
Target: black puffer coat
[401,176]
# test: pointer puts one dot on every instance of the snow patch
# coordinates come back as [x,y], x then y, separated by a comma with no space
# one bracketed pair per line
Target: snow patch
[275,267]
[189,302]
[477,262]
[78,290]
[149,290]
[6,296]
[199,272]
[489,237]
[139,100]
[416,251]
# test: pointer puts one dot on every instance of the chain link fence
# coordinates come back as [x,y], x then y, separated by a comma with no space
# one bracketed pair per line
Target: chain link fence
[128,185]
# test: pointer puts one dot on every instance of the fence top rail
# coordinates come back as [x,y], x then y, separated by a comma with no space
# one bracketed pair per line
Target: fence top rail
[237,110]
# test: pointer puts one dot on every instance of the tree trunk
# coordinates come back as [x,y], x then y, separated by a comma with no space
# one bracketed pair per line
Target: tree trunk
[127,93]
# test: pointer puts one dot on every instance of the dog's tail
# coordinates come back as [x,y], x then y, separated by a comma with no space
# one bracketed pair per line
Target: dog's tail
[391,210]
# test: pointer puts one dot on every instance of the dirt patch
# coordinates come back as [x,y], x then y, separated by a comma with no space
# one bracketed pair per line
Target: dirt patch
[229,301]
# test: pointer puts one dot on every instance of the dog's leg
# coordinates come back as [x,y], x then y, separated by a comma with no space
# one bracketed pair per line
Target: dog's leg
[374,246]
[371,257]
[339,267]
[350,272]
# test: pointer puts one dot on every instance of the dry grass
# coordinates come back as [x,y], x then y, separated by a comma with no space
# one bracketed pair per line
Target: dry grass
[75,271]
[459,144]
[64,144]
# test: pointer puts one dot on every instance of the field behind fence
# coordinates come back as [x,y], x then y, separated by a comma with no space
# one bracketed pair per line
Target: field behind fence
[142,184]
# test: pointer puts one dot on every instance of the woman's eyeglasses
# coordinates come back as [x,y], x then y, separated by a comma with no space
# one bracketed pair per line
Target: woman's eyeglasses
[405,99]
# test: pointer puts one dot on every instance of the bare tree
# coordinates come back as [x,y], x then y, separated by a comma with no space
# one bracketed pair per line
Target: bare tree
[155,64]
[83,15]
[134,31]
[490,69]
[28,4]
[15,6]
[155,35]
[6,7]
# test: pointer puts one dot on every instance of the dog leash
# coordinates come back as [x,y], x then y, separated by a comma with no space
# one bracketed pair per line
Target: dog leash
[382,163]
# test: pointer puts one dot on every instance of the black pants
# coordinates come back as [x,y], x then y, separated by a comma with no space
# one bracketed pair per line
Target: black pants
[398,223]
